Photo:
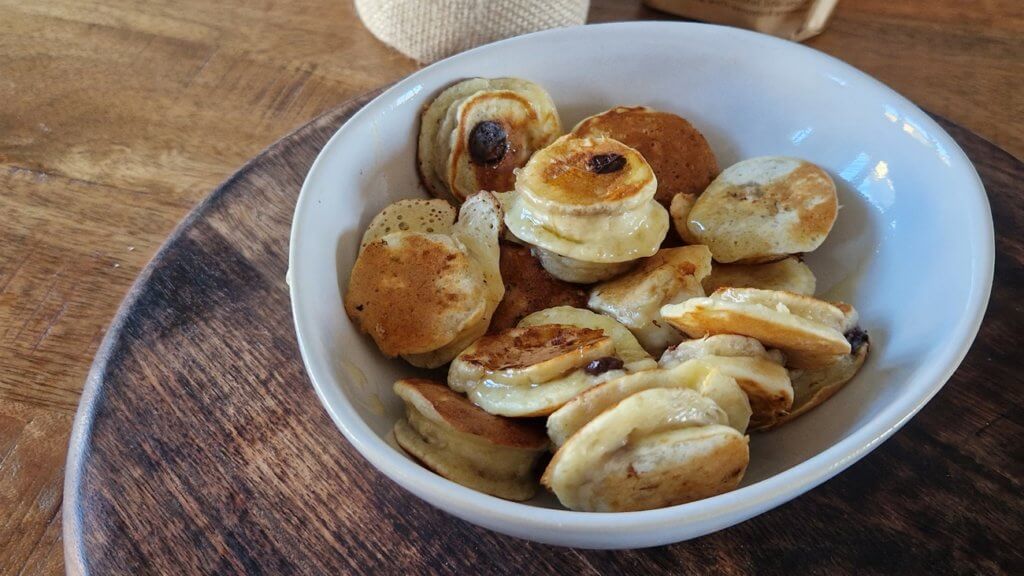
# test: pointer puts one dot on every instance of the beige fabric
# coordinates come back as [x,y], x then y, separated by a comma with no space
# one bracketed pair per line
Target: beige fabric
[429,30]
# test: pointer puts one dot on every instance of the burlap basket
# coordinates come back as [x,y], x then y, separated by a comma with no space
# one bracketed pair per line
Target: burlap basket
[429,30]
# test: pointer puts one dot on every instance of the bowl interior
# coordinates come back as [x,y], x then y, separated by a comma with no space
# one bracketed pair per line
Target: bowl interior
[911,249]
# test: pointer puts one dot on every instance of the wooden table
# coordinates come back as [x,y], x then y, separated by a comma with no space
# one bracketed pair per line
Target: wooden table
[118,116]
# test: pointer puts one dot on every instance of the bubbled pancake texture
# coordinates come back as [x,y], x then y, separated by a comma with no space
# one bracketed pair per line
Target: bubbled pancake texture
[429,31]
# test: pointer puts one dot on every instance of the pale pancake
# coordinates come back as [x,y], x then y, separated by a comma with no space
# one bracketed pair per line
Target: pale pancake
[518,115]
[788,275]
[529,288]
[626,346]
[414,292]
[678,153]
[656,448]
[433,216]
[635,299]
[790,322]
[701,377]
[465,444]
[764,209]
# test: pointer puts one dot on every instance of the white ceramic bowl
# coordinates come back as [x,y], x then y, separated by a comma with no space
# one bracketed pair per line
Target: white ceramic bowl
[912,249]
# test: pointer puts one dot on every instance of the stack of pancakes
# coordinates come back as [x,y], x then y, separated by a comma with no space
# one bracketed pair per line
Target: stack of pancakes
[572,322]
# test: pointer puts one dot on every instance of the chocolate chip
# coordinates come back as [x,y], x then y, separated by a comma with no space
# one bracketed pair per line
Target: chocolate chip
[602,365]
[857,338]
[488,143]
[606,163]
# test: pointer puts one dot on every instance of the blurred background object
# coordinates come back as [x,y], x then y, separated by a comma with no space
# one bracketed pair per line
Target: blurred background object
[428,30]
[792,19]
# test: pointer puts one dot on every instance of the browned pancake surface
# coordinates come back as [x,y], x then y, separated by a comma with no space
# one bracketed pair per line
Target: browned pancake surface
[413,293]
[531,345]
[529,288]
[678,153]
[465,417]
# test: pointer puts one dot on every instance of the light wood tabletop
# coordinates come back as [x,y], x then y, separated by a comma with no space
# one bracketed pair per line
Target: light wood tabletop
[117,117]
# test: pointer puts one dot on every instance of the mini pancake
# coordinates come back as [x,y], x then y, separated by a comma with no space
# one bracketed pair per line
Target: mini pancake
[433,216]
[763,209]
[587,207]
[414,292]
[533,370]
[695,375]
[529,288]
[422,295]
[635,299]
[627,348]
[790,322]
[657,448]
[788,275]
[478,131]
[464,444]
[678,153]
[813,386]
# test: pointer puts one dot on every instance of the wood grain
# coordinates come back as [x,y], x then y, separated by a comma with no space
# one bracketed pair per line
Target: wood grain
[118,116]
[202,374]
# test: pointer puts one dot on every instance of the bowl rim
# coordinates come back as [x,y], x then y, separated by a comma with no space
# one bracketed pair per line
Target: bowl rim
[755,498]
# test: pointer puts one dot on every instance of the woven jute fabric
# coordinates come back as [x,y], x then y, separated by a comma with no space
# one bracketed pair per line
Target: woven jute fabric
[429,30]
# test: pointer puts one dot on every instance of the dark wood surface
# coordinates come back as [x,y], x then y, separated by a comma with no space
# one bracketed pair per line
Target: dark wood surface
[200,447]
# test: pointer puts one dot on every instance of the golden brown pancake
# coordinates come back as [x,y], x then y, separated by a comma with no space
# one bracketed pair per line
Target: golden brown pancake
[678,153]
[461,442]
[529,288]
[414,292]
[423,287]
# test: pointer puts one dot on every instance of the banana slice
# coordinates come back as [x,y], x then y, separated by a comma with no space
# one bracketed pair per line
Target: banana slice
[788,275]
[634,357]
[761,210]
[587,206]
[671,276]
[466,445]
[656,448]
[476,133]
[791,322]
[529,288]
[427,295]
[719,345]
[699,376]
[678,153]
